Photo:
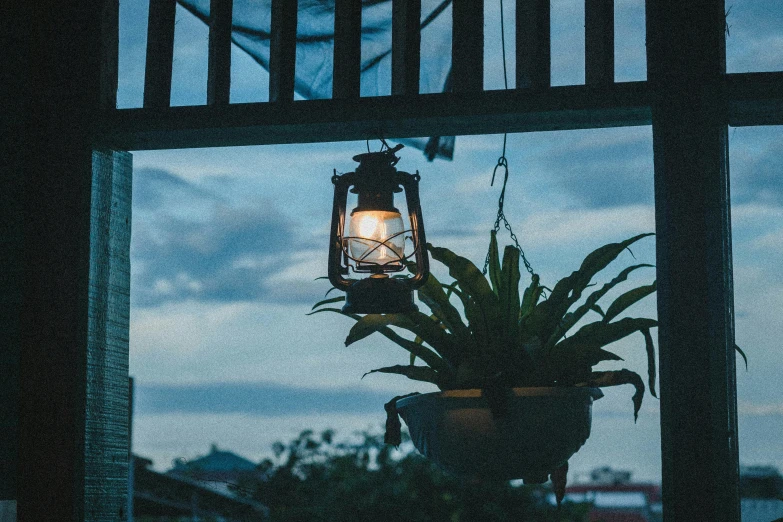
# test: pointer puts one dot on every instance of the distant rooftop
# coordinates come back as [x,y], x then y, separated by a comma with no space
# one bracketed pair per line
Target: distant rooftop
[216,461]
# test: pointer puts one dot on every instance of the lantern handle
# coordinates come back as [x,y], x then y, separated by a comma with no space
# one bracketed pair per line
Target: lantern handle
[411,184]
[341,184]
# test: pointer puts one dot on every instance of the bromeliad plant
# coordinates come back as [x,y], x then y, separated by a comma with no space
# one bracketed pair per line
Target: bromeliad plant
[504,339]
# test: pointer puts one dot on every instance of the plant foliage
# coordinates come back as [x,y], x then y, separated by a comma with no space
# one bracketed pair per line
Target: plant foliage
[315,478]
[483,332]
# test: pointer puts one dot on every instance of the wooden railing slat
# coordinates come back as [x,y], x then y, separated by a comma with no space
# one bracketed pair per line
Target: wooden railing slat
[467,46]
[110,40]
[346,77]
[160,53]
[534,67]
[599,42]
[219,61]
[282,50]
[406,46]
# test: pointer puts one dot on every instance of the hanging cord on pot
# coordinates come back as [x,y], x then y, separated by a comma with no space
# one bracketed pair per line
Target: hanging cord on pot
[503,163]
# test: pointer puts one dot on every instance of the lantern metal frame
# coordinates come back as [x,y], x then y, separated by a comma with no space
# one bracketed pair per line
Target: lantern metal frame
[375,181]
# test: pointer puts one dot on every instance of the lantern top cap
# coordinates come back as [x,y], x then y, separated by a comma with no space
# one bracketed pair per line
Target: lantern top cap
[384,158]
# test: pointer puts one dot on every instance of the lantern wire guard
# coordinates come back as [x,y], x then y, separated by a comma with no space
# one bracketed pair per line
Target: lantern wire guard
[374,240]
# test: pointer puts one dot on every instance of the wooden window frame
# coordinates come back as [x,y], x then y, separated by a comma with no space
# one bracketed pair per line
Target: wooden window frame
[62,461]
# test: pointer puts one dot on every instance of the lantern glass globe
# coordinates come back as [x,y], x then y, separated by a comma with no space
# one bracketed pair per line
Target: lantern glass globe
[377,237]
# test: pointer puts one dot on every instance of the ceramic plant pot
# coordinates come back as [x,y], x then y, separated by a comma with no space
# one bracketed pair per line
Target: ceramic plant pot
[541,429]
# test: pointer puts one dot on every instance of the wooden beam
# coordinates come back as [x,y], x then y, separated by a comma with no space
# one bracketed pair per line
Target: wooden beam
[406,46]
[599,42]
[755,98]
[160,53]
[533,44]
[346,77]
[282,50]
[467,46]
[219,58]
[686,68]
[489,112]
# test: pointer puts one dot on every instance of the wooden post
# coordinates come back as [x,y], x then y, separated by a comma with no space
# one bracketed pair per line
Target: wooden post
[282,50]
[533,44]
[219,57]
[346,79]
[686,66]
[160,53]
[406,46]
[467,46]
[71,339]
[599,42]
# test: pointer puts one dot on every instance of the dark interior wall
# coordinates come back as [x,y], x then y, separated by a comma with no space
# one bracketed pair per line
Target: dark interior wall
[61,454]
[10,300]
[12,30]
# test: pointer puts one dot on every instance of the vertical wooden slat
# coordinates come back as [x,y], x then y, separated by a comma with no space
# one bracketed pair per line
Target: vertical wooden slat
[282,50]
[533,44]
[219,61]
[686,67]
[160,53]
[110,39]
[467,46]
[406,46]
[599,42]
[347,49]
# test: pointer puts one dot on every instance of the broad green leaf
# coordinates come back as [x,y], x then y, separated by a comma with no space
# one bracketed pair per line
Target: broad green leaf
[529,299]
[597,309]
[494,262]
[744,358]
[422,352]
[627,299]
[648,342]
[334,310]
[433,296]
[469,277]
[570,319]
[546,317]
[416,373]
[508,295]
[418,323]
[601,334]
[484,308]
[328,301]
[618,378]
[591,337]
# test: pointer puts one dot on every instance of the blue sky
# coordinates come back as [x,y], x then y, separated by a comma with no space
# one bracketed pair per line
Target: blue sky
[226,244]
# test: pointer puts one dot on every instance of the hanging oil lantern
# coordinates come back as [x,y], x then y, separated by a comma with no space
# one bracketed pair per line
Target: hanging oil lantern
[375,241]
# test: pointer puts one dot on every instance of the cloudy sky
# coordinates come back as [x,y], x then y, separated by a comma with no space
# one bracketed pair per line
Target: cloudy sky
[227,243]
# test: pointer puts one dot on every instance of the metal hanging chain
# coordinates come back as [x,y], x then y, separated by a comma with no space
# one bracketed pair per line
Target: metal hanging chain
[503,162]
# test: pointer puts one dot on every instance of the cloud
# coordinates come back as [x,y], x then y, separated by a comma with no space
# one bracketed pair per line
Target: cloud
[264,399]
[602,169]
[188,243]
[757,168]
[754,42]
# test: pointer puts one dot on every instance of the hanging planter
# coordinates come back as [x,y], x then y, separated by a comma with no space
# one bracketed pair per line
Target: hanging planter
[517,385]
[540,429]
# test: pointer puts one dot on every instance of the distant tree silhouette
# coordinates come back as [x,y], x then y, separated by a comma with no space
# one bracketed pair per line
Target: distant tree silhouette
[315,479]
